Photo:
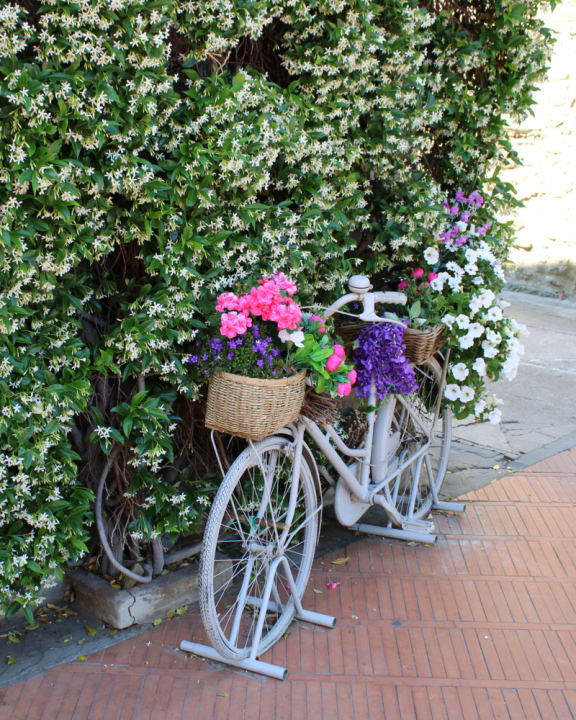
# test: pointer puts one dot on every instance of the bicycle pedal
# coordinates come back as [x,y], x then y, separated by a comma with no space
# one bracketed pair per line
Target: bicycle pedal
[419,526]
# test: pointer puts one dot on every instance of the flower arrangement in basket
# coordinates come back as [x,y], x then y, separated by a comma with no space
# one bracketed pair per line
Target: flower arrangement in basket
[258,360]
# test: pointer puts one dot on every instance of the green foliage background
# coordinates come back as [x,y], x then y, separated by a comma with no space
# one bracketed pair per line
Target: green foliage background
[153,154]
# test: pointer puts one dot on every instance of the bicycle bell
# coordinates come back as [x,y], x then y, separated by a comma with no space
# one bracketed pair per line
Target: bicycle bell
[359,284]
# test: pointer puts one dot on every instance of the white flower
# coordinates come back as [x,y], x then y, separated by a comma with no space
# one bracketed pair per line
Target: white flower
[462,321]
[296,337]
[449,320]
[437,285]
[479,407]
[452,392]
[475,304]
[462,226]
[478,280]
[471,255]
[466,342]
[493,337]
[475,330]
[471,268]
[466,394]
[495,313]
[487,298]
[454,283]
[503,304]
[480,366]
[489,350]
[495,416]
[460,371]
[431,255]
[455,268]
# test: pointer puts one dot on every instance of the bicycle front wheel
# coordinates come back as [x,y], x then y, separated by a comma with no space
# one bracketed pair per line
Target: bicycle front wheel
[256,552]
[402,432]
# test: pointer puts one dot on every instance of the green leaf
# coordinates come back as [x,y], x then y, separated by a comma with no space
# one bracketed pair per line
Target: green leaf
[91,630]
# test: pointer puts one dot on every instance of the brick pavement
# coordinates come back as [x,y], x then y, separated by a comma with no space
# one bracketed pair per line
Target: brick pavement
[481,626]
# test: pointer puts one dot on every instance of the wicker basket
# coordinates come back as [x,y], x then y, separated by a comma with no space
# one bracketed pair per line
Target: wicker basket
[421,345]
[253,408]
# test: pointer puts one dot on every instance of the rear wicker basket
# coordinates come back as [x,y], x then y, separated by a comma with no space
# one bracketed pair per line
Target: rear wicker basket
[253,408]
[421,345]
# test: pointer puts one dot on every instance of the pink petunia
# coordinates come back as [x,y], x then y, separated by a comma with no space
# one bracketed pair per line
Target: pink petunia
[418,273]
[332,586]
[432,276]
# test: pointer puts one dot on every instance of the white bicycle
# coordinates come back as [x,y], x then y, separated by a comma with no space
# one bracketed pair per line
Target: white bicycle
[263,527]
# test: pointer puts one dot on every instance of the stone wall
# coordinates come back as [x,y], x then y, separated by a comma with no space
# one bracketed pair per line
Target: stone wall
[545,252]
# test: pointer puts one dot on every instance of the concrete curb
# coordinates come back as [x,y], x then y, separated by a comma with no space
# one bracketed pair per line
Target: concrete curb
[546,451]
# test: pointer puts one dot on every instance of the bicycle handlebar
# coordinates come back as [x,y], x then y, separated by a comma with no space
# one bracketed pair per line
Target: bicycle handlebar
[360,287]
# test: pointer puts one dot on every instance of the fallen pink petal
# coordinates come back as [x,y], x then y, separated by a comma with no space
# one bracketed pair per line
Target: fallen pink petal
[332,586]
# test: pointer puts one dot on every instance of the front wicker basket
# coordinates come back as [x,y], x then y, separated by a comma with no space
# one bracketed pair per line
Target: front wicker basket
[421,345]
[253,408]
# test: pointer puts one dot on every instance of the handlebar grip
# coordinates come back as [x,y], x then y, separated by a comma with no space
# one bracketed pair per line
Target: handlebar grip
[396,298]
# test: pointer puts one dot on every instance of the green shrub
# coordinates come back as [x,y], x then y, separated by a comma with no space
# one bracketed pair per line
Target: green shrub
[153,154]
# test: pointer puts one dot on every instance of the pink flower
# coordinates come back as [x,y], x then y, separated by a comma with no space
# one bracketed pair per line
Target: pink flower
[234,323]
[227,301]
[318,319]
[283,283]
[352,375]
[333,363]
[344,389]
[332,586]
[475,199]
[460,197]
[483,229]
[455,210]
[339,350]
[403,284]
[432,276]
[465,216]
[287,315]
[418,273]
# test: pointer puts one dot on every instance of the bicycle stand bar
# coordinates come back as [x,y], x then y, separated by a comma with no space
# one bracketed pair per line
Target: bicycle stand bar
[450,506]
[257,666]
[395,533]
[306,615]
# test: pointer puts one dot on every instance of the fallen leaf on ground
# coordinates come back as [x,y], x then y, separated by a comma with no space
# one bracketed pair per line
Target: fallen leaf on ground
[332,586]
[170,614]
[341,561]
[67,639]
[157,622]
[11,660]
[286,634]
[113,632]
[496,467]
[182,610]
[13,638]
[91,630]
[82,658]
[317,591]
[222,694]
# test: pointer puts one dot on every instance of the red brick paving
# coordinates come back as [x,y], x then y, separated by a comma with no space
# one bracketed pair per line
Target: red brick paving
[480,627]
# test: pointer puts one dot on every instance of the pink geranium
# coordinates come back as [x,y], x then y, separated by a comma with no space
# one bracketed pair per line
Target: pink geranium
[283,283]
[288,315]
[234,323]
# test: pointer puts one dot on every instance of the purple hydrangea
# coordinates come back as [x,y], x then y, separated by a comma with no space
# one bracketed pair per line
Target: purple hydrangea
[379,355]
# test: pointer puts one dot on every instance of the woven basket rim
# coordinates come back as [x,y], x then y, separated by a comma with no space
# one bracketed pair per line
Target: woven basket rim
[260,382]
[430,331]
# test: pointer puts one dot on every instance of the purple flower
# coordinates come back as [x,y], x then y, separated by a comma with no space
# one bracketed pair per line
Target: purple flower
[465,216]
[193,359]
[204,357]
[455,210]
[475,199]
[378,356]
[484,228]
[260,363]
[461,198]
[230,355]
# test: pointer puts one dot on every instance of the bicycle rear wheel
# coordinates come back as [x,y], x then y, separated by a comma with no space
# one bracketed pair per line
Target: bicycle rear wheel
[403,431]
[254,555]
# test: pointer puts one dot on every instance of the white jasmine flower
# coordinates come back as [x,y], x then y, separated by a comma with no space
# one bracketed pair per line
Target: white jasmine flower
[452,392]
[431,255]
[460,371]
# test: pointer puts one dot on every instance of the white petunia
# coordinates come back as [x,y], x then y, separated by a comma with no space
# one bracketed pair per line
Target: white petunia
[462,321]
[475,304]
[495,416]
[479,280]
[460,371]
[480,366]
[431,255]
[493,337]
[495,313]
[487,298]
[296,337]
[466,342]
[475,330]
[449,320]
[452,392]
[489,350]
[466,394]
[437,285]
[479,407]
[471,255]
